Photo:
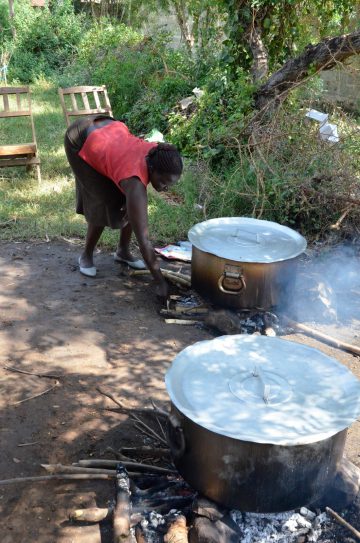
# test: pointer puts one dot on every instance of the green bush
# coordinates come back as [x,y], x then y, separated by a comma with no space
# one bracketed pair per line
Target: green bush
[46,40]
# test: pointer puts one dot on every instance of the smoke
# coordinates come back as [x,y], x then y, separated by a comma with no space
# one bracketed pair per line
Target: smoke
[327,288]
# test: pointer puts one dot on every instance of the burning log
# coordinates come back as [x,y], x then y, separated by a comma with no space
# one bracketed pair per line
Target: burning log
[177,531]
[121,518]
[212,524]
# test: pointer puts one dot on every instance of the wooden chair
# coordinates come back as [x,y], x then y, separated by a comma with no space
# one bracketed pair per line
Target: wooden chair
[89,101]
[16,102]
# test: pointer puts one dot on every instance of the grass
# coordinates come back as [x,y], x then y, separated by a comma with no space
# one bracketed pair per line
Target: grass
[29,211]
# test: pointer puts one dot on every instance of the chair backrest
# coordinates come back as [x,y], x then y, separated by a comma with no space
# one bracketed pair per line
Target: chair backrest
[85,100]
[16,102]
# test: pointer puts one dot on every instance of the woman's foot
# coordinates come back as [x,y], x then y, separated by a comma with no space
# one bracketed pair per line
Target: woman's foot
[86,265]
[129,259]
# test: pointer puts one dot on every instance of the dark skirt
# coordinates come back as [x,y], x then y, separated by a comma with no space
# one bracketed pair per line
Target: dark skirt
[97,197]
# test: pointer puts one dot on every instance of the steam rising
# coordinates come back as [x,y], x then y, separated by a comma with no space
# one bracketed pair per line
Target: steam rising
[327,288]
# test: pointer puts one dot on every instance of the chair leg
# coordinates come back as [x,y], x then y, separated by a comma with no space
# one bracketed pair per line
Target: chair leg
[38,172]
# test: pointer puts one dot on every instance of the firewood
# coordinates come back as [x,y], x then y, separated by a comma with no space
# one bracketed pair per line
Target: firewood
[354,349]
[57,477]
[177,531]
[343,522]
[129,465]
[60,468]
[121,518]
[91,514]
[184,322]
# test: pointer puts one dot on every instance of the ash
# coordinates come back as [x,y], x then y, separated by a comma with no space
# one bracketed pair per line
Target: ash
[288,527]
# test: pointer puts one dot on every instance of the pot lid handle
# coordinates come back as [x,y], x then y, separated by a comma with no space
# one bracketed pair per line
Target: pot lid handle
[266,386]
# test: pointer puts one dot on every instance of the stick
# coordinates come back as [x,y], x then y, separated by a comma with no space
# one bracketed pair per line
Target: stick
[37,395]
[121,518]
[59,468]
[343,522]
[177,531]
[184,322]
[28,444]
[135,465]
[133,416]
[145,451]
[47,375]
[58,477]
[91,514]
[354,349]
[131,410]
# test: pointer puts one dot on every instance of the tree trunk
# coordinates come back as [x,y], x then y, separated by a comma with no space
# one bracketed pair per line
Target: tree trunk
[11,17]
[260,65]
[322,56]
[184,25]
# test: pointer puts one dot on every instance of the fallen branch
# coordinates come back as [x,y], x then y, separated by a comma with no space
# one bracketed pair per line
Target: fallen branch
[37,395]
[354,349]
[58,477]
[343,522]
[129,465]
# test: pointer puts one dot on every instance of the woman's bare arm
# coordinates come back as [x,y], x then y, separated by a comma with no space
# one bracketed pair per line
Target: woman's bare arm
[137,211]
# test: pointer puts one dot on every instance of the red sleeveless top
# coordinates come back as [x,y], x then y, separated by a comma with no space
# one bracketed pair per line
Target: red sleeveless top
[114,152]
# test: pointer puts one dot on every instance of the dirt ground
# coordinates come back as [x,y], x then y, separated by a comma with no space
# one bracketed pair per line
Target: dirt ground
[90,332]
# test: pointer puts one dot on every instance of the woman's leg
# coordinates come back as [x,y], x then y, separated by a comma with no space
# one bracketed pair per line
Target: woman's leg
[123,249]
[92,237]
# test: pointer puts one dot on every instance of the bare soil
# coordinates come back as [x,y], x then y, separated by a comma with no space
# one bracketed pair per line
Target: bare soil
[89,332]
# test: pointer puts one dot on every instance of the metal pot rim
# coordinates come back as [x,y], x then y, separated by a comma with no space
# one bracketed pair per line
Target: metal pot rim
[244,239]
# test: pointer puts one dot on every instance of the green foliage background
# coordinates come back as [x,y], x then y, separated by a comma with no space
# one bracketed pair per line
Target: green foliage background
[277,170]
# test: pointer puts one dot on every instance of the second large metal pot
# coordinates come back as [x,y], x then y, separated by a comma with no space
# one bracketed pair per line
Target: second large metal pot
[244,263]
[259,423]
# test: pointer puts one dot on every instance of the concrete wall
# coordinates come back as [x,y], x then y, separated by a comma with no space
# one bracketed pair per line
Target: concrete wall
[342,85]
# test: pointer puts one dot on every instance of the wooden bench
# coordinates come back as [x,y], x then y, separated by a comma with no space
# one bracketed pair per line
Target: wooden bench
[85,100]
[16,102]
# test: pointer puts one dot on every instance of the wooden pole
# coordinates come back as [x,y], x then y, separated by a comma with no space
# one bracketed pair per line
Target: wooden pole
[354,349]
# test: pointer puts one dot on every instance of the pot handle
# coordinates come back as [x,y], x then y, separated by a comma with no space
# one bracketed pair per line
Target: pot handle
[239,277]
[176,437]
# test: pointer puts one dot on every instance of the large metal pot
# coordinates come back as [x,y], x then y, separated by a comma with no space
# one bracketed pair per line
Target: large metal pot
[259,424]
[244,263]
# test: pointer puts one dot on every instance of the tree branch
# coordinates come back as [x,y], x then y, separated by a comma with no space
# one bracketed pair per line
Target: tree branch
[322,56]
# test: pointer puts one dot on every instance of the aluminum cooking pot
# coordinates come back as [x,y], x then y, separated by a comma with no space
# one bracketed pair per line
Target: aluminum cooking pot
[259,423]
[244,263]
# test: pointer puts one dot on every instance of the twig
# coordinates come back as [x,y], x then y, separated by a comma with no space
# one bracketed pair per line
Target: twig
[336,226]
[343,522]
[28,444]
[145,450]
[134,417]
[47,375]
[37,395]
[131,466]
[58,477]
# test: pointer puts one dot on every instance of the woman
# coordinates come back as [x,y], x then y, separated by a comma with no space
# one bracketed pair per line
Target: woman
[112,170]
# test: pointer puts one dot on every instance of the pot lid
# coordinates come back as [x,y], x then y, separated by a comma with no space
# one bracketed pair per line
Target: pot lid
[247,240]
[263,389]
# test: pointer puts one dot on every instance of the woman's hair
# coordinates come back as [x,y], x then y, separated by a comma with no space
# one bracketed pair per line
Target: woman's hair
[165,158]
